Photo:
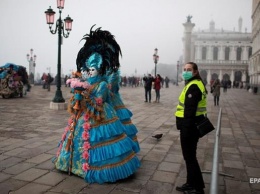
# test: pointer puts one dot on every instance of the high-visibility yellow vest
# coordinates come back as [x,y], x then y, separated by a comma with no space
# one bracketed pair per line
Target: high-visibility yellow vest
[202,105]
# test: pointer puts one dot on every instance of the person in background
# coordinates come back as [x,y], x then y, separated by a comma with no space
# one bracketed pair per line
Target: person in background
[157,87]
[44,78]
[25,79]
[190,110]
[65,80]
[49,79]
[225,85]
[148,81]
[167,80]
[216,91]
[162,81]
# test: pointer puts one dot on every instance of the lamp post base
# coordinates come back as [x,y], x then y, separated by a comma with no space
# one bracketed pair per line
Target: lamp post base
[58,97]
[58,105]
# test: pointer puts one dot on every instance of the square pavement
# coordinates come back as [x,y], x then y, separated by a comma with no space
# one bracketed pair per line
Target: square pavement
[30,131]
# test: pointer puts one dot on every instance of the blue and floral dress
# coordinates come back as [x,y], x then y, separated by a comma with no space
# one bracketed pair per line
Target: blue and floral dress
[94,145]
[122,111]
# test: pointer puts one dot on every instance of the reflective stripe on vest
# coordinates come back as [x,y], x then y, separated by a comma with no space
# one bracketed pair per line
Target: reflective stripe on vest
[202,105]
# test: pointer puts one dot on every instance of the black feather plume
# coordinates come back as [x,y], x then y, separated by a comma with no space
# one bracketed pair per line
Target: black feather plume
[104,43]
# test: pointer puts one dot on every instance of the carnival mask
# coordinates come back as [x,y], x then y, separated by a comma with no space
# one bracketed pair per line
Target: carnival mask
[92,72]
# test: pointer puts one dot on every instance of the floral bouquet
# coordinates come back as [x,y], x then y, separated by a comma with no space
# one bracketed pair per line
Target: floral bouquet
[77,84]
[77,87]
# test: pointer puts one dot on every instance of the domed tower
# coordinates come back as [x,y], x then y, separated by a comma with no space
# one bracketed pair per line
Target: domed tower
[212,26]
[240,24]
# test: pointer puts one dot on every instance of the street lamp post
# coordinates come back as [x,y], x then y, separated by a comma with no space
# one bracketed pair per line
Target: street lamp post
[60,28]
[49,69]
[31,59]
[177,73]
[155,59]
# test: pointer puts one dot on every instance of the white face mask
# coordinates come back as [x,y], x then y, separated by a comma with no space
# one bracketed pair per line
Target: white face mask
[92,72]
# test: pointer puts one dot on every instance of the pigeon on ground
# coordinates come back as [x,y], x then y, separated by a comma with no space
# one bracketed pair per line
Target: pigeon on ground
[158,136]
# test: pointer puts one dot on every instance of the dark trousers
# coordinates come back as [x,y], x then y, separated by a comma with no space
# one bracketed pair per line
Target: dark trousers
[148,94]
[216,100]
[189,141]
[157,92]
[48,86]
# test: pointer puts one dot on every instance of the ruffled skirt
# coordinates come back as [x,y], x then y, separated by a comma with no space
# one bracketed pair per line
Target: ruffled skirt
[101,153]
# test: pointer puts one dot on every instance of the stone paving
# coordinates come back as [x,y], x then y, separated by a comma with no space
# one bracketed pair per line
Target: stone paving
[30,131]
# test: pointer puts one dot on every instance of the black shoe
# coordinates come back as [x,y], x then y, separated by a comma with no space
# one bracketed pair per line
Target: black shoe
[194,191]
[145,101]
[184,187]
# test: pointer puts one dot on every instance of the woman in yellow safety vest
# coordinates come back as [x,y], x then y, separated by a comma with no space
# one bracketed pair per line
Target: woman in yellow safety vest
[190,110]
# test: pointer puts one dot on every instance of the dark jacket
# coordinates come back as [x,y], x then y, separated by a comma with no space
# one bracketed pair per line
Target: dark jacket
[148,82]
[49,79]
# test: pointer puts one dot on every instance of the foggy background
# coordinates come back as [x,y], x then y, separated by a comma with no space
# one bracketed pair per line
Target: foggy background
[139,27]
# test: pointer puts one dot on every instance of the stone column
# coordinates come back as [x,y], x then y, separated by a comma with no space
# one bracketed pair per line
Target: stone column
[196,52]
[221,53]
[188,26]
[220,75]
[232,76]
[233,53]
[208,76]
[209,52]
[243,76]
[192,51]
[200,52]
[244,53]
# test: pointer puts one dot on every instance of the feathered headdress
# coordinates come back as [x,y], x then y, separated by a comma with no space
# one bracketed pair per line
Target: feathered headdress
[100,50]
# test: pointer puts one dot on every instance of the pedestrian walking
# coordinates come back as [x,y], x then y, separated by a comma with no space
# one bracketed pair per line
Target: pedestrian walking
[225,85]
[44,80]
[148,81]
[190,110]
[162,81]
[215,88]
[157,87]
[49,80]
[167,80]
[65,80]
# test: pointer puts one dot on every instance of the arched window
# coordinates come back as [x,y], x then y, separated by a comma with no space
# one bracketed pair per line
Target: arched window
[204,53]
[249,52]
[238,76]
[227,51]
[215,53]
[239,51]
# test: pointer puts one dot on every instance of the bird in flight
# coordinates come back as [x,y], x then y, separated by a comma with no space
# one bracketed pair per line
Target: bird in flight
[158,136]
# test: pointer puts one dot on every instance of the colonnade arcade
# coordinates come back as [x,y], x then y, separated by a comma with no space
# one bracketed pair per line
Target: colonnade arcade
[222,52]
[222,74]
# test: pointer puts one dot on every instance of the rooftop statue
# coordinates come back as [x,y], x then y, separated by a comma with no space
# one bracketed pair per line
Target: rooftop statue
[189,18]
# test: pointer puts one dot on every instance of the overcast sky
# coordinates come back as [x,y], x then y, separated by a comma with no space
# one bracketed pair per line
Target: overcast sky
[139,27]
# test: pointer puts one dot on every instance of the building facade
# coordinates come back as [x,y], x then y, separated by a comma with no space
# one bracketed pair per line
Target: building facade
[254,63]
[219,53]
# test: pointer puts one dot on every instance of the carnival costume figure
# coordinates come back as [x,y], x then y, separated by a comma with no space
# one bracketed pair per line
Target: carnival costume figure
[94,145]
[123,113]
